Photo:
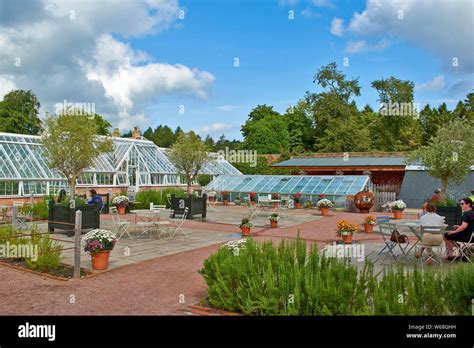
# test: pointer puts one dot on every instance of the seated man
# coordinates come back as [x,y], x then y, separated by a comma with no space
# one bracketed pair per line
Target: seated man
[95,198]
[430,218]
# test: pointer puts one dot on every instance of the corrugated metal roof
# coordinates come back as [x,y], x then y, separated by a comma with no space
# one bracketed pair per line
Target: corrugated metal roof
[342,162]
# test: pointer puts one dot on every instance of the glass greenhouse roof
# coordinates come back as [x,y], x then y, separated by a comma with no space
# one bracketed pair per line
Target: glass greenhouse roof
[22,158]
[289,184]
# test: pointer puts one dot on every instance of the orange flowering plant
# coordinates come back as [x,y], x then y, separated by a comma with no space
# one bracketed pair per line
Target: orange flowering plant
[370,220]
[345,227]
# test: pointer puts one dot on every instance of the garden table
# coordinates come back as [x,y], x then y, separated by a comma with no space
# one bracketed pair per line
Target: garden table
[145,217]
[415,228]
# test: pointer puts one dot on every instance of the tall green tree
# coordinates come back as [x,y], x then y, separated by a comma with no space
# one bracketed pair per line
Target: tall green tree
[338,126]
[396,130]
[188,154]
[103,126]
[300,128]
[449,155]
[258,113]
[267,135]
[19,111]
[70,144]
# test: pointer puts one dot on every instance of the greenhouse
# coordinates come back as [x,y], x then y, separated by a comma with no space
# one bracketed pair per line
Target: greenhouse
[336,187]
[134,163]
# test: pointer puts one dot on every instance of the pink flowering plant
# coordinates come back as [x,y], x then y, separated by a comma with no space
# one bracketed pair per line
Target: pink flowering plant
[99,240]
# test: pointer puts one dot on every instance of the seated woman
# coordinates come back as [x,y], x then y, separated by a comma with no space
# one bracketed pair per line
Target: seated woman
[430,218]
[463,232]
[95,198]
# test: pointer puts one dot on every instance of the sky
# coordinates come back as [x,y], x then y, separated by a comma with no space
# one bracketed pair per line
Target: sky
[204,65]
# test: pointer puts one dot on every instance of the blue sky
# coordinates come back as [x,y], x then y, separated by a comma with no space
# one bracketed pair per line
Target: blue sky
[188,62]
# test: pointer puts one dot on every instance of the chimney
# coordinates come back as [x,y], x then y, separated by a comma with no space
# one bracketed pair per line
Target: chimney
[136,133]
[116,133]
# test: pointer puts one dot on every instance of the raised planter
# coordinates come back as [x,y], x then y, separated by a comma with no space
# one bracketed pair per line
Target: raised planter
[62,217]
[196,205]
[452,215]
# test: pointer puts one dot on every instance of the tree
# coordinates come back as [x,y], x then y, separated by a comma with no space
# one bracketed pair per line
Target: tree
[267,135]
[19,113]
[103,126]
[70,144]
[188,154]
[449,155]
[398,130]
[300,128]
[338,125]
[258,113]
[329,76]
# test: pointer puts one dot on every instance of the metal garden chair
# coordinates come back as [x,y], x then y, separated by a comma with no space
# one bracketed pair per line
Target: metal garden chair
[121,227]
[465,249]
[433,256]
[179,224]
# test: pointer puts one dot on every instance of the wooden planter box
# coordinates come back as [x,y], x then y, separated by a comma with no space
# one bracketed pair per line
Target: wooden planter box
[196,205]
[452,215]
[62,217]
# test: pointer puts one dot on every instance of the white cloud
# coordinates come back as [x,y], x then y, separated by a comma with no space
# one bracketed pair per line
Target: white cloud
[6,85]
[435,84]
[216,128]
[227,107]
[323,3]
[355,46]
[72,55]
[114,67]
[445,28]
[337,27]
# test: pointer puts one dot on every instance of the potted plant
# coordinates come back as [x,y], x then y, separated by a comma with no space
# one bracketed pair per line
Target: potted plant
[369,223]
[345,229]
[121,202]
[252,198]
[449,208]
[324,205]
[398,207]
[245,227]
[274,218]
[308,204]
[237,201]
[99,243]
[225,197]
[275,197]
[297,199]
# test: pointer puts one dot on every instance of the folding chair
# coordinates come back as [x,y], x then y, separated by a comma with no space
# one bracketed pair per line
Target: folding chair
[432,256]
[179,224]
[121,227]
[465,249]
[24,217]
[385,230]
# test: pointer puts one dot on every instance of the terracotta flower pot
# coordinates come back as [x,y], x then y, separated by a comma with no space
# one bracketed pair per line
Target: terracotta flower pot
[245,231]
[252,203]
[398,214]
[275,205]
[298,205]
[347,238]
[226,202]
[368,228]
[121,209]
[273,223]
[324,211]
[100,260]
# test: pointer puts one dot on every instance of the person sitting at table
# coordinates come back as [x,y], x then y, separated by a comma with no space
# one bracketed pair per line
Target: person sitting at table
[423,210]
[62,194]
[95,198]
[461,233]
[430,218]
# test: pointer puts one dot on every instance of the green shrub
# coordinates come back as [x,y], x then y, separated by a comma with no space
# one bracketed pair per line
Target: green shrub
[204,179]
[264,280]
[261,279]
[49,253]
[39,209]
[158,197]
